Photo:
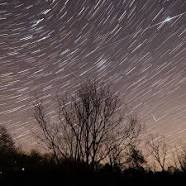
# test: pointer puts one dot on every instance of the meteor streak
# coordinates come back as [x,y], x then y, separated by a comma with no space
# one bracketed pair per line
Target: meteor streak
[168,19]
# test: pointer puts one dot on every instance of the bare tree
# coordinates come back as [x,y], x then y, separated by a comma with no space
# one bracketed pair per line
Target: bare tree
[135,157]
[119,151]
[158,151]
[90,125]
[175,156]
[179,158]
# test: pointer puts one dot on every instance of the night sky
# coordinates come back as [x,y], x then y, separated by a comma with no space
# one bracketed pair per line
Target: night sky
[49,46]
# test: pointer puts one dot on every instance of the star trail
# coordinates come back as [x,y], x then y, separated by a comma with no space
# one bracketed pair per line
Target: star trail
[52,45]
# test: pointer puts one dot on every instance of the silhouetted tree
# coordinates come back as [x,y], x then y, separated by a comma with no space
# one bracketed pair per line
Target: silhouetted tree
[158,151]
[179,158]
[135,157]
[7,149]
[116,156]
[90,125]
[6,142]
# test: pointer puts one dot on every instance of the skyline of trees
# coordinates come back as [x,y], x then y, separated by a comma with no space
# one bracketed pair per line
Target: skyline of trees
[92,128]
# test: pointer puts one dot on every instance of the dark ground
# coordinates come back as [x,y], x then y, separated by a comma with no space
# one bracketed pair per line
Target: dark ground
[60,177]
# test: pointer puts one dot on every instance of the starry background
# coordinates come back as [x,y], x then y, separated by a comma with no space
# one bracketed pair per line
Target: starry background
[52,45]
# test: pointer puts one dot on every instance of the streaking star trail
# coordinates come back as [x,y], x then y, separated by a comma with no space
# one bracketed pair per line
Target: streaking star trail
[49,46]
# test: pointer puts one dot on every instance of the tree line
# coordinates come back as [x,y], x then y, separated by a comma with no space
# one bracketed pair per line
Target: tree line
[91,131]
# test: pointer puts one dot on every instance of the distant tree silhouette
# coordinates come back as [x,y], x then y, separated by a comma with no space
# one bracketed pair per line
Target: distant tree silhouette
[35,157]
[116,156]
[90,127]
[6,142]
[135,157]
[7,149]
[179,158]
[158,150]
